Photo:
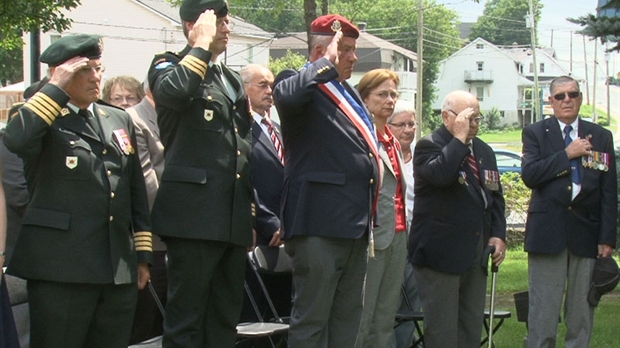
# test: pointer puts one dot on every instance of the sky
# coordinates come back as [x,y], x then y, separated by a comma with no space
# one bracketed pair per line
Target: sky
[555,31]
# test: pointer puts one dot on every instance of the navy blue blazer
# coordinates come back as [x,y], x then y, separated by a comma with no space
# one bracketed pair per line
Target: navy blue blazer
[554,222]
[331,172]
[267,178]
[449,213]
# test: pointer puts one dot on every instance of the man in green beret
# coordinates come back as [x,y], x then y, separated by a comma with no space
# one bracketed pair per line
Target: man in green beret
[85,244]
[203,208]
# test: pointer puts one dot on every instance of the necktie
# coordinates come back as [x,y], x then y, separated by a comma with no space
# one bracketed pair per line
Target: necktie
[274,138]
[474,167]
[574,163]
[217,69]
[90,120]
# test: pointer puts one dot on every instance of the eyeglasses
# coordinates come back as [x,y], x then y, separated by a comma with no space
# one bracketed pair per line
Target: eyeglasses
[385,94]
[475,120]
[404,125]
[562,96]
[262,85]
[119,99]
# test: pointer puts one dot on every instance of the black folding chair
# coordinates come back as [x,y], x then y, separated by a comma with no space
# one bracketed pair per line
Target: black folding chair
[252,330]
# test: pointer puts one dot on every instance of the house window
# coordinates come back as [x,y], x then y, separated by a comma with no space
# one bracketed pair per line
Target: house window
[480,65]
[479,46]
[480,93]
[531,67]
[542,67]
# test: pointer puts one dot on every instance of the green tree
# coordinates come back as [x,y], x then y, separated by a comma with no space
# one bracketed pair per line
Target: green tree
[396,21]
[21,15]
[291,60]
[607,29]
[503,22]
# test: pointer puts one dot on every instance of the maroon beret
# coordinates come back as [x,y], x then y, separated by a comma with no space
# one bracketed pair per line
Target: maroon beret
[330,24]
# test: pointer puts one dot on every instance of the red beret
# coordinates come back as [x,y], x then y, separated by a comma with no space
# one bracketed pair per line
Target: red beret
[330,24]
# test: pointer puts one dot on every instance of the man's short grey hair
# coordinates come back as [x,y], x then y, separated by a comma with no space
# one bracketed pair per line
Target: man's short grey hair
[323,40]
[400,107]
[249,70]
[561,80]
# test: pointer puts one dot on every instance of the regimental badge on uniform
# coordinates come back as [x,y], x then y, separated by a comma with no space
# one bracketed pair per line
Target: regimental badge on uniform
[596,160]
[71,162]
[123,140]
[64,111]
[208,115]
[491,179]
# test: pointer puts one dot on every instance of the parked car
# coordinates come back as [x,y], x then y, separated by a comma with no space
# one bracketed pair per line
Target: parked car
[508,161]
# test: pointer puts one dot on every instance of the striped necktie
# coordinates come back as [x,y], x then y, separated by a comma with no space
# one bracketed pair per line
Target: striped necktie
[474,166]
[274,138]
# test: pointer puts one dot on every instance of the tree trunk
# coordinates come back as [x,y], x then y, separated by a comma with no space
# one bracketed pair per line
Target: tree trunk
[309,17]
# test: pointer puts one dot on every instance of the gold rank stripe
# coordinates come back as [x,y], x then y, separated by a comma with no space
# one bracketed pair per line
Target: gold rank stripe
[44,106]
[143,241]
[194,64]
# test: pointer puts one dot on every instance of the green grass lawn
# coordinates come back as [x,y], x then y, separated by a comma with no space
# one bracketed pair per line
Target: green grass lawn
[512,277]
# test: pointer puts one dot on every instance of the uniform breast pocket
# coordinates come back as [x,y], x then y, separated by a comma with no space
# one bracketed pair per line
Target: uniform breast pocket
[71,156]
[209,109]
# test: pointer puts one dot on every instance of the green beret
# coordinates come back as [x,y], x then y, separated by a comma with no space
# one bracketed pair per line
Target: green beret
[191,9]
[67,47]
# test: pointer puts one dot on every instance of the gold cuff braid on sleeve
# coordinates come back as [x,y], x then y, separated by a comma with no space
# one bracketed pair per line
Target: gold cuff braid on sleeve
[143,241]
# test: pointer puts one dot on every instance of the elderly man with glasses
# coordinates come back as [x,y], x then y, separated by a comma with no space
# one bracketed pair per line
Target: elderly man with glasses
[458,210]
[569,165]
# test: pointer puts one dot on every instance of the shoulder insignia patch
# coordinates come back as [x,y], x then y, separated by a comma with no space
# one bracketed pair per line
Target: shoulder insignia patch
[163,65]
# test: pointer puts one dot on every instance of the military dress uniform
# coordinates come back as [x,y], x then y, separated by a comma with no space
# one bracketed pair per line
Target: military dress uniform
[87,223]
[203,206]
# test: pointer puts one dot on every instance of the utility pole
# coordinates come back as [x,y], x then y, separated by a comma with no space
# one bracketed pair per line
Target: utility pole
[420,53]
[594,116]
[536,93]
[571,52]
[585,63]
[608,80]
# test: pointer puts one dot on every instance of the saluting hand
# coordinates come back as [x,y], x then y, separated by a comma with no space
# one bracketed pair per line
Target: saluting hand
[331,53]
[461,124]
[204,29]
[62,74]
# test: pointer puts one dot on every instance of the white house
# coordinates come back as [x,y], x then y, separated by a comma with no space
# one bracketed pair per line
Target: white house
[489,73]
[500,77]
[134,30]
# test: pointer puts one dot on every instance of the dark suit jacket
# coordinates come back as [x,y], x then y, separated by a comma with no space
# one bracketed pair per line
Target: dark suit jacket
[267,177]
[205,191]
[87,195]
[331,172]
[554,222]
[449,214]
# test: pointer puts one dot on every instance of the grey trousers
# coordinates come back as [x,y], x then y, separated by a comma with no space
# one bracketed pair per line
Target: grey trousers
[453,306]
[328,278]
[549,276]
[384,278]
